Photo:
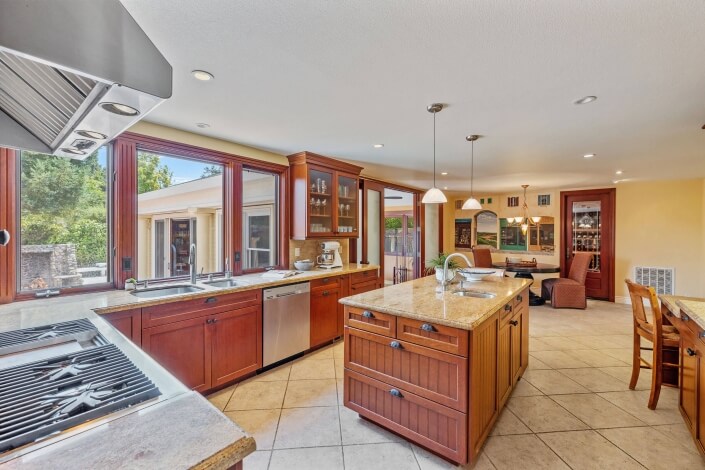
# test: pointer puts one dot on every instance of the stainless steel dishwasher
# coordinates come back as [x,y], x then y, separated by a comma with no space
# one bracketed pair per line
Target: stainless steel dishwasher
[286,324]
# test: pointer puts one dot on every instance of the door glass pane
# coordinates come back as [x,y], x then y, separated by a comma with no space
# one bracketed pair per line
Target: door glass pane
[63,221]
[186,195]
[586,225]
[260,237]
[347,203]
[372,227]
[321,200]
[399,236]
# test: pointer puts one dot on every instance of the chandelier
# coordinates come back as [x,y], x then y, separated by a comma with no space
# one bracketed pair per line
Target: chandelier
[524,220]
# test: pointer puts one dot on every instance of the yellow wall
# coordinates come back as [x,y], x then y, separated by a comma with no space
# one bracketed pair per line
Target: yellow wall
[176,135]
[662,224]
[658,224]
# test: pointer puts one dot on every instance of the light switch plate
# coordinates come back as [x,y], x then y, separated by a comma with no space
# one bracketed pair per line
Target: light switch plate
[297,251]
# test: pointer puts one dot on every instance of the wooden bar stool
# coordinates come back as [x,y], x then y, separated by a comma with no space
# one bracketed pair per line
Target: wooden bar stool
[659,334]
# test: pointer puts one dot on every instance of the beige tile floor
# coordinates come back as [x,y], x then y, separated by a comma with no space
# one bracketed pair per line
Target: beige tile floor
[572,409]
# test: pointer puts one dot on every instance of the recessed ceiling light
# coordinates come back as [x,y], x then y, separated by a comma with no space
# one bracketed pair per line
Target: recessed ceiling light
[92,135]
[202,125]
[118,108]
[202,75]
[378,146]
[585,100]
[618,172]
[444,173]
[616,181]
[588,155]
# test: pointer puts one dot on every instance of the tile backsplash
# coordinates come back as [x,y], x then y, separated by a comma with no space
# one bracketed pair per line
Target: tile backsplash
[310,249]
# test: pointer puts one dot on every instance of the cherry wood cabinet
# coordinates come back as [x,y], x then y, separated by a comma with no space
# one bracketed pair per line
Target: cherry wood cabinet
[441,387]
[324,197]
[324,315]
[182,348]
[236,344]
[127,322]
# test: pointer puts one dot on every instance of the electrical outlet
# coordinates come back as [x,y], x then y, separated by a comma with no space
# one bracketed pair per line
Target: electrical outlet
[297,252]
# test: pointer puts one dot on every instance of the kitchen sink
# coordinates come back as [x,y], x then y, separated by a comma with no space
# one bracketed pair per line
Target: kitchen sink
[165,291]
[222,283]
[475,293]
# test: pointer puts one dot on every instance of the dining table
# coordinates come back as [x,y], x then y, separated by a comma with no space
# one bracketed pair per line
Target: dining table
[527,272]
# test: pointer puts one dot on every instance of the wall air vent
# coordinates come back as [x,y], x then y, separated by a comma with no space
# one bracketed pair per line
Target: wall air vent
[663,280]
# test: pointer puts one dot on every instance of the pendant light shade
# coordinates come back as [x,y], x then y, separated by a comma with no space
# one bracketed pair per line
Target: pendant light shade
[472,203]
[434,195]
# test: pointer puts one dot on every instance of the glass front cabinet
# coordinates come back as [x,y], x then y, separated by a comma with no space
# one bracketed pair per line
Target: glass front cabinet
[324,197]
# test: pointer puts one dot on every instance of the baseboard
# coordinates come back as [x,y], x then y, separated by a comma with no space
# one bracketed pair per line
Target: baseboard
[618,299]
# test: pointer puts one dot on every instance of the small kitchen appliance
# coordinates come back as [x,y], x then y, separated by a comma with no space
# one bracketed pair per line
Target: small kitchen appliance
[330,258]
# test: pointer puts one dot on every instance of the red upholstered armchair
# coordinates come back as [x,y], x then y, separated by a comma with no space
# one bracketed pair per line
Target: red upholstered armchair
[568,292]
[482,257]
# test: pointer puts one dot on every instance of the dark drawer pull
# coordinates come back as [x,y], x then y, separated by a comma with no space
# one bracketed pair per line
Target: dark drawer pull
[690,352]
[368,314]
[519,298]
[396,393]
[513,322]
[211,300]
[427,327]
[396,345]
[326,293]
[326,280]
[507,308]
[684,317]
[210,321]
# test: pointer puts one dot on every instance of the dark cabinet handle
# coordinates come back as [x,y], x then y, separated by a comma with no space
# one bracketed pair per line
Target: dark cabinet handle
[508,308]
[513,322]
[396,345]
[519,298]
[326,280]
[690,352]
[427,327]
[684,317]
[210,321]
[368,314]
[211,300]
[326,293]
[396,393]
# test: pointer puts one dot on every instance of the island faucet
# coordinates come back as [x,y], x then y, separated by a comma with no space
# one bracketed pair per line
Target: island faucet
[192,262]
[445,265]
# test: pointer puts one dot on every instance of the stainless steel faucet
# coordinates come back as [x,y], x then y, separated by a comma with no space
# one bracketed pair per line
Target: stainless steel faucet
[227,272]
[445,265]
[192,262]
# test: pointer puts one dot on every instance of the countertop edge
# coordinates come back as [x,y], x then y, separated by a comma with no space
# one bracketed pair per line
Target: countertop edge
[689,306]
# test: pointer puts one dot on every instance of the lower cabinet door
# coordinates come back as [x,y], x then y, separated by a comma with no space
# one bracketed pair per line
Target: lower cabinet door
[689,381]
[516,327]
[182,348]
[236,343]
[127,322]
[436,427]
[324,315]
[504,363]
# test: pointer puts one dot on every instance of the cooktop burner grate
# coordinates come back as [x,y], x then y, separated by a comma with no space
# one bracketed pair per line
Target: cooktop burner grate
[30,338]
[52,395]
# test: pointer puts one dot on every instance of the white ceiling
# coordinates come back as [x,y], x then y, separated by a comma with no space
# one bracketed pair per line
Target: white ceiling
[337,77]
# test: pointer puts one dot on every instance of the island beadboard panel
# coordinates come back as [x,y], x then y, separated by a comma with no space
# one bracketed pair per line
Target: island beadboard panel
[439,386]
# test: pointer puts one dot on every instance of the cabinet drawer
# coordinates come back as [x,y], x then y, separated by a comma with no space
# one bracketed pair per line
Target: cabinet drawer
[368,320]
[429,424]
[361,287]
[429,373]
[330,282]
[364,276]
[443,338]
[506,312]
[185,309]
[521,300]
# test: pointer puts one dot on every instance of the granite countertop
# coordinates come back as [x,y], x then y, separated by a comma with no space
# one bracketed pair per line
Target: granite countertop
[116,300]
[694,307]
[425,299]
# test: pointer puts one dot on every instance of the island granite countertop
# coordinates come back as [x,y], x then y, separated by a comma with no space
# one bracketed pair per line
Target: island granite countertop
[693,307]
[425,299]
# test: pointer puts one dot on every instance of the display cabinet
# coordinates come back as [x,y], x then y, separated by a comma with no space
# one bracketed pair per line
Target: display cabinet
[324,197]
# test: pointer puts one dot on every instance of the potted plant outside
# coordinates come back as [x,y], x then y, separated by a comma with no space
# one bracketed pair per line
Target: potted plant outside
[437,264]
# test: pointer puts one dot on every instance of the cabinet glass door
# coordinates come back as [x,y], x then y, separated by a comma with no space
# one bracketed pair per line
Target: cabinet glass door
[320,202]
[347,204]
[586,224]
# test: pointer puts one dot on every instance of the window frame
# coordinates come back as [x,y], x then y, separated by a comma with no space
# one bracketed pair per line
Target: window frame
[12,179]
[126,147]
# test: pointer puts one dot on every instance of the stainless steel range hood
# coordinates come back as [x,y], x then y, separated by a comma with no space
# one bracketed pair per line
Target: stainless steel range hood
[74,74]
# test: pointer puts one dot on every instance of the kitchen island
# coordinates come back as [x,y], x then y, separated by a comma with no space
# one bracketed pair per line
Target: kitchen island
[436,364]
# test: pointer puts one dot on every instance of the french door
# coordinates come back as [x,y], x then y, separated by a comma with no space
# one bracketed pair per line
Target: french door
[588,225]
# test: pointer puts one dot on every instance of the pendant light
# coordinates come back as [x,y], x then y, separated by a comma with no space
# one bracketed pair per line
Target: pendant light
[472,203]
[434,195]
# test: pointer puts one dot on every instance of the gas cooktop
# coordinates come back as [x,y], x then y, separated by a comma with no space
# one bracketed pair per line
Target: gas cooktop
[42,397]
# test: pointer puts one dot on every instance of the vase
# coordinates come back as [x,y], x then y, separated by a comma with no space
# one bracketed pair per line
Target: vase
[439,274]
